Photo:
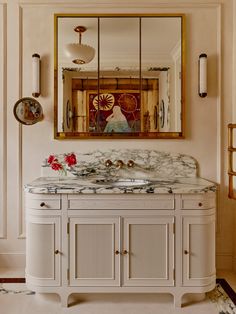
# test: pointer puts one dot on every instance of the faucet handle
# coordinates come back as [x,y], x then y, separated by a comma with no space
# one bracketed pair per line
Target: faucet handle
[108,163]
[119,163]
[130,163]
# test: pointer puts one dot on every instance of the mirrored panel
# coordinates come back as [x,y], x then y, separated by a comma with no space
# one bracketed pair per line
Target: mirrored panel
[119,76]
[161,52]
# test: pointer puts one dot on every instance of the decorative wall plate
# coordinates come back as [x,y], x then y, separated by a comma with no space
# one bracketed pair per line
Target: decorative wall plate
[28,111]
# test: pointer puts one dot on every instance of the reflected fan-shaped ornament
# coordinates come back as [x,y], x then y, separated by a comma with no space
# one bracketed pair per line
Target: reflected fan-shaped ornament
[128,102]
[104,101]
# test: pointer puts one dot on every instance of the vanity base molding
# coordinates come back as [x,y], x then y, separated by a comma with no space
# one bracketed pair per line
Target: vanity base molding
[177,293]
[127,243]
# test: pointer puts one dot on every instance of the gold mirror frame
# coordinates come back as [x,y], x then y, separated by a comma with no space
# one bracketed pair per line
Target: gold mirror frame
[136,135]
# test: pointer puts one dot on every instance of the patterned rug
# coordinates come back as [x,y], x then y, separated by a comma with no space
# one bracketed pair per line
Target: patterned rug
[223,296]
[15,288]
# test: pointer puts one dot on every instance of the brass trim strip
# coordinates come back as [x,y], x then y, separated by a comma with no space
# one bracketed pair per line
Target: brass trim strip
[231,150]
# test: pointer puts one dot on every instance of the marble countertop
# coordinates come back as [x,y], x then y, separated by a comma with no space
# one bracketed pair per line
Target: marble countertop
[74,185]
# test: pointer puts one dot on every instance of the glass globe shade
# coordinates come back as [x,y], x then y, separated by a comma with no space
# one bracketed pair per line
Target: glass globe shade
[80,53]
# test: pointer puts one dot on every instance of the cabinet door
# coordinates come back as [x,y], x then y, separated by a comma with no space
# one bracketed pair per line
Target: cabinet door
[93,243]
[148,251]
[198,250]
[43,247]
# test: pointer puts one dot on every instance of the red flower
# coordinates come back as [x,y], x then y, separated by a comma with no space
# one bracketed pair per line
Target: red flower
[70,159]
[51,158]
[56,166]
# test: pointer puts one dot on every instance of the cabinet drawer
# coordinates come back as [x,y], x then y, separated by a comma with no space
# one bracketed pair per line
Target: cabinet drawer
[121,202]
[197,202]
[35,201]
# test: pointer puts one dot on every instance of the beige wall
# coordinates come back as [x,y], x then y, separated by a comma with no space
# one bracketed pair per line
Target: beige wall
[30,29]
[233,120]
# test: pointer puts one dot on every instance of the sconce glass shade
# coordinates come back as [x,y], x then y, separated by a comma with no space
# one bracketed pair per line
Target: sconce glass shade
[35,75]
[80,53]
[202,75]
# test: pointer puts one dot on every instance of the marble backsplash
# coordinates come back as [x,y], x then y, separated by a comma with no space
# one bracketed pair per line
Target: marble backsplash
[147,164]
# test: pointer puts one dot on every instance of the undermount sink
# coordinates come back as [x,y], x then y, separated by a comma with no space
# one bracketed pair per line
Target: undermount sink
[122,182]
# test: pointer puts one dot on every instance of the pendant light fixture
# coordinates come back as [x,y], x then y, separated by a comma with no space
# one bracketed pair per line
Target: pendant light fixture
[78,52]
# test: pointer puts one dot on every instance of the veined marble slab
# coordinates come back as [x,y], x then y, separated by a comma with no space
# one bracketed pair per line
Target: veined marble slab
[148,163]
[51,185]
[167,173]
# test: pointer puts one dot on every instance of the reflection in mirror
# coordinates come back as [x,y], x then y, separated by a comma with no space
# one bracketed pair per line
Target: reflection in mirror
[71,103]
[133,87]
[161,55]
[119,80]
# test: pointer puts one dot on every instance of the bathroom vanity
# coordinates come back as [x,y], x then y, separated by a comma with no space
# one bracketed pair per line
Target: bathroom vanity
[156,236]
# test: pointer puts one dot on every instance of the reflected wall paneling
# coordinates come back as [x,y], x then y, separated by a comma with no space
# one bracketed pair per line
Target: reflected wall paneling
[21,145]
[3,73]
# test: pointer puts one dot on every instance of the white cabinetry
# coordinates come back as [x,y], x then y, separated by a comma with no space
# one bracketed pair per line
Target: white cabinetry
[198,259]
[148,250]
[120,243]
[93,243]
[44,245]
[142,246]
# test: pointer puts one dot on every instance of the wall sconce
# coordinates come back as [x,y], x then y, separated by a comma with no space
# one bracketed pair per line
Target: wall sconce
[202,75]
[35,75]
[78,52]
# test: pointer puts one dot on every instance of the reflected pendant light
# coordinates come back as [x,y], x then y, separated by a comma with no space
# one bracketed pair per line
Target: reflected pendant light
[78,52]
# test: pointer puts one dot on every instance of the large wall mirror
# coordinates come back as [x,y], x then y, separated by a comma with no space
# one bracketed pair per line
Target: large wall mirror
[119,76]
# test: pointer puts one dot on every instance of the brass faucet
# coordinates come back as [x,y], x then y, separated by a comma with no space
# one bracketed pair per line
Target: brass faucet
[130,163]
[119,163]
[108,163]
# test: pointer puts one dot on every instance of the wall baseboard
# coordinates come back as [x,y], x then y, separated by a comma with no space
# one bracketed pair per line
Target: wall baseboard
[12,260]
[12,280]
[234,264]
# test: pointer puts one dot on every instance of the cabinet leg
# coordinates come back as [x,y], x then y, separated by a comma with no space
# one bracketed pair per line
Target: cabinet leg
[178,300]
[64,300]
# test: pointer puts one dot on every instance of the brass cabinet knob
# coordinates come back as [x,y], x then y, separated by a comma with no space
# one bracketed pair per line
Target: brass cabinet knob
[124,252]
[42,204]
[185,252]
[57,252]
[200,204]
[117,252]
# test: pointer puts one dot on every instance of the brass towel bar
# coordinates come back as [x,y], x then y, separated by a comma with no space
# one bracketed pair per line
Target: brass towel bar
[231,150]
